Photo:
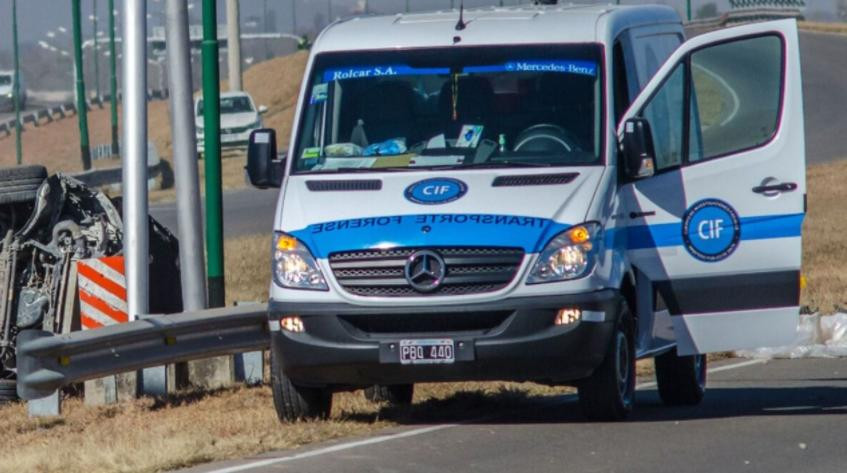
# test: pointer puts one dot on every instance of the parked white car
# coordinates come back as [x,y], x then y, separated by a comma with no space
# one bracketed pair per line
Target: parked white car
[239,116]
[7,91]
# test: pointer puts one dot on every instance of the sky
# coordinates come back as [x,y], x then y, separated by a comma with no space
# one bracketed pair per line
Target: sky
[38,17]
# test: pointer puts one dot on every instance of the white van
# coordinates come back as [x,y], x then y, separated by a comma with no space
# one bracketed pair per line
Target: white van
[534,194]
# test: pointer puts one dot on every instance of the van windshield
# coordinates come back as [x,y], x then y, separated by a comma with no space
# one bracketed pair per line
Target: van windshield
[458,107]
[230,105]
[5,80]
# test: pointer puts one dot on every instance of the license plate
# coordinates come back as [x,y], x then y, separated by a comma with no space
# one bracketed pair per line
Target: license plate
[427,352]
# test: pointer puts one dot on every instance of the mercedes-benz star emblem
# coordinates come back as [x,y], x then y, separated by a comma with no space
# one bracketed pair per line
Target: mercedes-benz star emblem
[425,270]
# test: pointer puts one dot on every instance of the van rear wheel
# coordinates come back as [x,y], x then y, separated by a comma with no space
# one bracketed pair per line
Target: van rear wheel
[293,402]
[609,393]
[395,394]
[681,379]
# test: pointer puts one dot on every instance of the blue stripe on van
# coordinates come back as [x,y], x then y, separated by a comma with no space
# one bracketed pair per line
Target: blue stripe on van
[529,233]
[752,228]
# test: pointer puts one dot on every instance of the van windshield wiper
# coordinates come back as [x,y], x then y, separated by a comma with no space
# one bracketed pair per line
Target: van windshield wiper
[495,165]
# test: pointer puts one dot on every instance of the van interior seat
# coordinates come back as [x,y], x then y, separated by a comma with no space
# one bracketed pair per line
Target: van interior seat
[387,110]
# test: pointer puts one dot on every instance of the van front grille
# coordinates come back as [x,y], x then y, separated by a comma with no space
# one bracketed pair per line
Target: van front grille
[381,273]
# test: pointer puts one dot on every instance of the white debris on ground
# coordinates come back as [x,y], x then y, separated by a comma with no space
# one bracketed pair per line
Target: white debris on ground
[818,336]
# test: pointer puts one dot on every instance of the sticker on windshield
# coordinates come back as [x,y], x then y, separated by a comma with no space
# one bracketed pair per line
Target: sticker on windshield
[586,68]
[319,93]
[364,72]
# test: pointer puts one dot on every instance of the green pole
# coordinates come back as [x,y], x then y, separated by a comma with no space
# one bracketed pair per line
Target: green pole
[688,9]
[212,158]
[113,79]
[17,86]
[81,108]
[96,51]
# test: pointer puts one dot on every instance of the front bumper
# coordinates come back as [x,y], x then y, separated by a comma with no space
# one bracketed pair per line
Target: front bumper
[348,345]
[234,140]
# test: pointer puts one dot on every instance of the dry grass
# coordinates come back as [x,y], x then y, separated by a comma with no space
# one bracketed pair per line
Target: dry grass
[195,428]
[824,244]
[821,27]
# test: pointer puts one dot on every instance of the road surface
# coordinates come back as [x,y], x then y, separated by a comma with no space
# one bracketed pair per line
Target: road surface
[782,416]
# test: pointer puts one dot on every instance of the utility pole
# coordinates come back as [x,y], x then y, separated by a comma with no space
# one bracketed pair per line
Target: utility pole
[233,38]
[113,80]
[407,6]
[294,17]
[81,106]
[16,88]
[212,151]
[153,381]
[192,266]
[96,51]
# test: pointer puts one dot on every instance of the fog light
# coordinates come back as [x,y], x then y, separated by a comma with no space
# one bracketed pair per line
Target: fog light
[292,323]
[567,316]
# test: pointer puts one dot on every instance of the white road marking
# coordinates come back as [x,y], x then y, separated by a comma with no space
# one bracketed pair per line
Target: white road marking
[334,448]
[408,433]
[716,369]
[736,103]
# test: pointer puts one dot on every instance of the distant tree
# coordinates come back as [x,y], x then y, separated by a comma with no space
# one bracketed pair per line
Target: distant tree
[709,10]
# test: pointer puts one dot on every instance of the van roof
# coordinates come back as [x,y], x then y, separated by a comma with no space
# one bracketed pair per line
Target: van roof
[525,24]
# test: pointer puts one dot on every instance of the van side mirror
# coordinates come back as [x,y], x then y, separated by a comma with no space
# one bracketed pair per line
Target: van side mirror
[639,156]
[262,110]
[264,168]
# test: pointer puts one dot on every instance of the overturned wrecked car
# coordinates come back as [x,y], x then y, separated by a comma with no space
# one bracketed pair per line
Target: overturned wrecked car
[47,225]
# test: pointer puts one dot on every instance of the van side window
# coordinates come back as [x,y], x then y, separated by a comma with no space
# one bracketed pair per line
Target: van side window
[621,87]
[666,111]
[736,94]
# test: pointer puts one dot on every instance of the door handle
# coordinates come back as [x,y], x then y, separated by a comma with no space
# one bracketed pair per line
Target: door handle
[775,188]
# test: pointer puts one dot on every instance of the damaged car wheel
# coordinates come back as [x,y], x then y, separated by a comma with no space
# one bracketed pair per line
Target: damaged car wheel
[8,391]
[20,184]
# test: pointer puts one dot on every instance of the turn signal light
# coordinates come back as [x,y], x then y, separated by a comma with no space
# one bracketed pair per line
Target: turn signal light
[292,323]
[579,235]
[567,316]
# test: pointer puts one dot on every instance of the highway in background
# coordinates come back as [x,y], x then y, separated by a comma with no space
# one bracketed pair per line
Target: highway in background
[824,62]
[780,416]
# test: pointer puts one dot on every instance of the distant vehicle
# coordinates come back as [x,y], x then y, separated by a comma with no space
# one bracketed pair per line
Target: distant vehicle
[7,92]
[239,116]
[537,193]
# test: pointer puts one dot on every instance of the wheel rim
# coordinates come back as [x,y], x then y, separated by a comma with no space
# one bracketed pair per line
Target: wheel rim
[624,369]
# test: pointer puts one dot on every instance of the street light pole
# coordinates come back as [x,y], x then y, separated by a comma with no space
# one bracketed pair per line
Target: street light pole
[233,35]
[212,158]
[17,86]
[688,9]
[113,79]
[96,51]
[81,106]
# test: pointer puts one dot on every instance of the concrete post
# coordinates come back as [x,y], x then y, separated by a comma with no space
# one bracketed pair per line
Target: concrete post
[233,38]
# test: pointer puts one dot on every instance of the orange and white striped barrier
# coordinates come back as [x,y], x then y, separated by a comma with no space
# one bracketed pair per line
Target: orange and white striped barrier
[102,292]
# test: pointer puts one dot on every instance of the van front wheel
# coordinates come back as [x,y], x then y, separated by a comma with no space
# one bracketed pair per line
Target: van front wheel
[681,379]
[293,402]
[609,393]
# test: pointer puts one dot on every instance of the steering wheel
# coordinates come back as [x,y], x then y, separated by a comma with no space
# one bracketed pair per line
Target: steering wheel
[546,138]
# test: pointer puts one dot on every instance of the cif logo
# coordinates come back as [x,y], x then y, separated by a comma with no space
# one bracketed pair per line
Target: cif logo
[711,230]
[435,191]
[425,270]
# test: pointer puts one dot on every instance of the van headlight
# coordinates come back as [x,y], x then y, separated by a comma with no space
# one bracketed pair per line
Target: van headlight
[569,255]
[293,265]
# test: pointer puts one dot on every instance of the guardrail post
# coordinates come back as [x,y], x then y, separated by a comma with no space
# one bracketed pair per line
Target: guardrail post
[249,366]
[49,406]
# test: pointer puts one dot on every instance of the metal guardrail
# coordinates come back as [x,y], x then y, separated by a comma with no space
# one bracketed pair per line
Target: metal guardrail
[47,115]
[46,362]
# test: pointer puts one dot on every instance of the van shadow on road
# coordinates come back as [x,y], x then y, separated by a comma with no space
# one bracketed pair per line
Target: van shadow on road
[515,407]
